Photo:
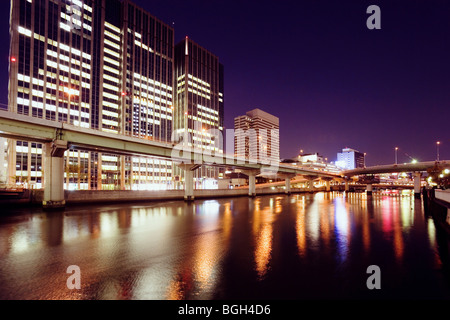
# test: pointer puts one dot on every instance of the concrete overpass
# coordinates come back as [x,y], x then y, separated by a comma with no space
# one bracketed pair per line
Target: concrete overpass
[417,168]
[57,137]
[391,168]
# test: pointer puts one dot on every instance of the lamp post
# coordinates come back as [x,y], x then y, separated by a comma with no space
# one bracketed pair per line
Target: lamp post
[396,149]
[437,150]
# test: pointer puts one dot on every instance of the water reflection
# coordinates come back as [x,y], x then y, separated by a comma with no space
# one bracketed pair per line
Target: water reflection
[301,225]
[197,251]
[263,233]
[341,228]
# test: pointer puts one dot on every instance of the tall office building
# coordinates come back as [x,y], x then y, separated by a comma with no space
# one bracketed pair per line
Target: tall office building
[350,159]
[199,102]
[100,64]
[257,136]
[148,46]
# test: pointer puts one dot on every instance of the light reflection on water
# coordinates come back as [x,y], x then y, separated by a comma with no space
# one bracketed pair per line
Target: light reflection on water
[304,245]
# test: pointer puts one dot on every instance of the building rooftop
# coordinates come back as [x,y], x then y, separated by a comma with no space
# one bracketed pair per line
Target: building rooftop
[264,115]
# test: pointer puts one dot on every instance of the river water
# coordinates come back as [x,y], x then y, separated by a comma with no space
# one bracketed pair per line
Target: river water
[302,246]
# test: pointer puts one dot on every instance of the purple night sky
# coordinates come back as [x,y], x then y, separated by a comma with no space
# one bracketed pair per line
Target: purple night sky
[332,82]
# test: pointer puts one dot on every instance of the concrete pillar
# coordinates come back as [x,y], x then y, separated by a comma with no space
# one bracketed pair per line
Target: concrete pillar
[54,175]
[328,185]
[189,180]
[310,183]
[122,173]
[188,185]
[288,185]
[347,186]
[369,189]
[251,181]
[417,177]
[287,179]
[251,184]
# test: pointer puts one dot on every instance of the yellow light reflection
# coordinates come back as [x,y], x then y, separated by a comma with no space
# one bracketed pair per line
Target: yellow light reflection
[263,250]
[263,232]
[300,227]
[176,290]
[326,222]
[227,222]
[205,258]
[208,248]
[366,224]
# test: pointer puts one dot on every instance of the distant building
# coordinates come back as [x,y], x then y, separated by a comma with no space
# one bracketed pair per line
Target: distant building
[313,161]
[350,159]
[257,136]
[310,158]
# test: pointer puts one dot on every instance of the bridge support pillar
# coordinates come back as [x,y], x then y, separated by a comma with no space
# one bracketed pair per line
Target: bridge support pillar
[252,185]
[287,178]
[54,197]
[347,186]
[251,181]
[417,177]
[310,184]
[327,184]
[369,189]
[189,180]
[288,185]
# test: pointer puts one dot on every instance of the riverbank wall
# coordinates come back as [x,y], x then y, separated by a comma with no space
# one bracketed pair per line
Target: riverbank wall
[35,197]
[437,205]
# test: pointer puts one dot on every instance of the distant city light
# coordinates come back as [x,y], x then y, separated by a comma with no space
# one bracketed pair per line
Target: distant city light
[13,59]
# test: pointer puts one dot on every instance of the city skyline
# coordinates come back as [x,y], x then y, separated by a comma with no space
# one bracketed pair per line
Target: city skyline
[332,82]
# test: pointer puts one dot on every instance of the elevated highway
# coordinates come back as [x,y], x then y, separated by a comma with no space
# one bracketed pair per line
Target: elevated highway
[58,137]
[417,168]
[391,168]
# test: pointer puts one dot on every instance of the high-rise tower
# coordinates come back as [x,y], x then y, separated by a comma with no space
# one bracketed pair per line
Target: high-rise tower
[199,101]
[99,64]
[257,136]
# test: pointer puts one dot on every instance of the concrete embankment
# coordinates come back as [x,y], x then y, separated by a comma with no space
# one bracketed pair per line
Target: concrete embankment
[35,197]
[437,205]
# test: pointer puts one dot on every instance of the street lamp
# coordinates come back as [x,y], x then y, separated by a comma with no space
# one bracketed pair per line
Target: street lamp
[396,149]
[437,147]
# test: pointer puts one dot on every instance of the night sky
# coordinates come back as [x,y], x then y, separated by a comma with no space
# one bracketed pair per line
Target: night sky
[332,82]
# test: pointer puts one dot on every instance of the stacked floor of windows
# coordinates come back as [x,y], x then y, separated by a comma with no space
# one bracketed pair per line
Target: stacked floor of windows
[86,64]
[148,93]
[111,78]
[27,157]
[151,174]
